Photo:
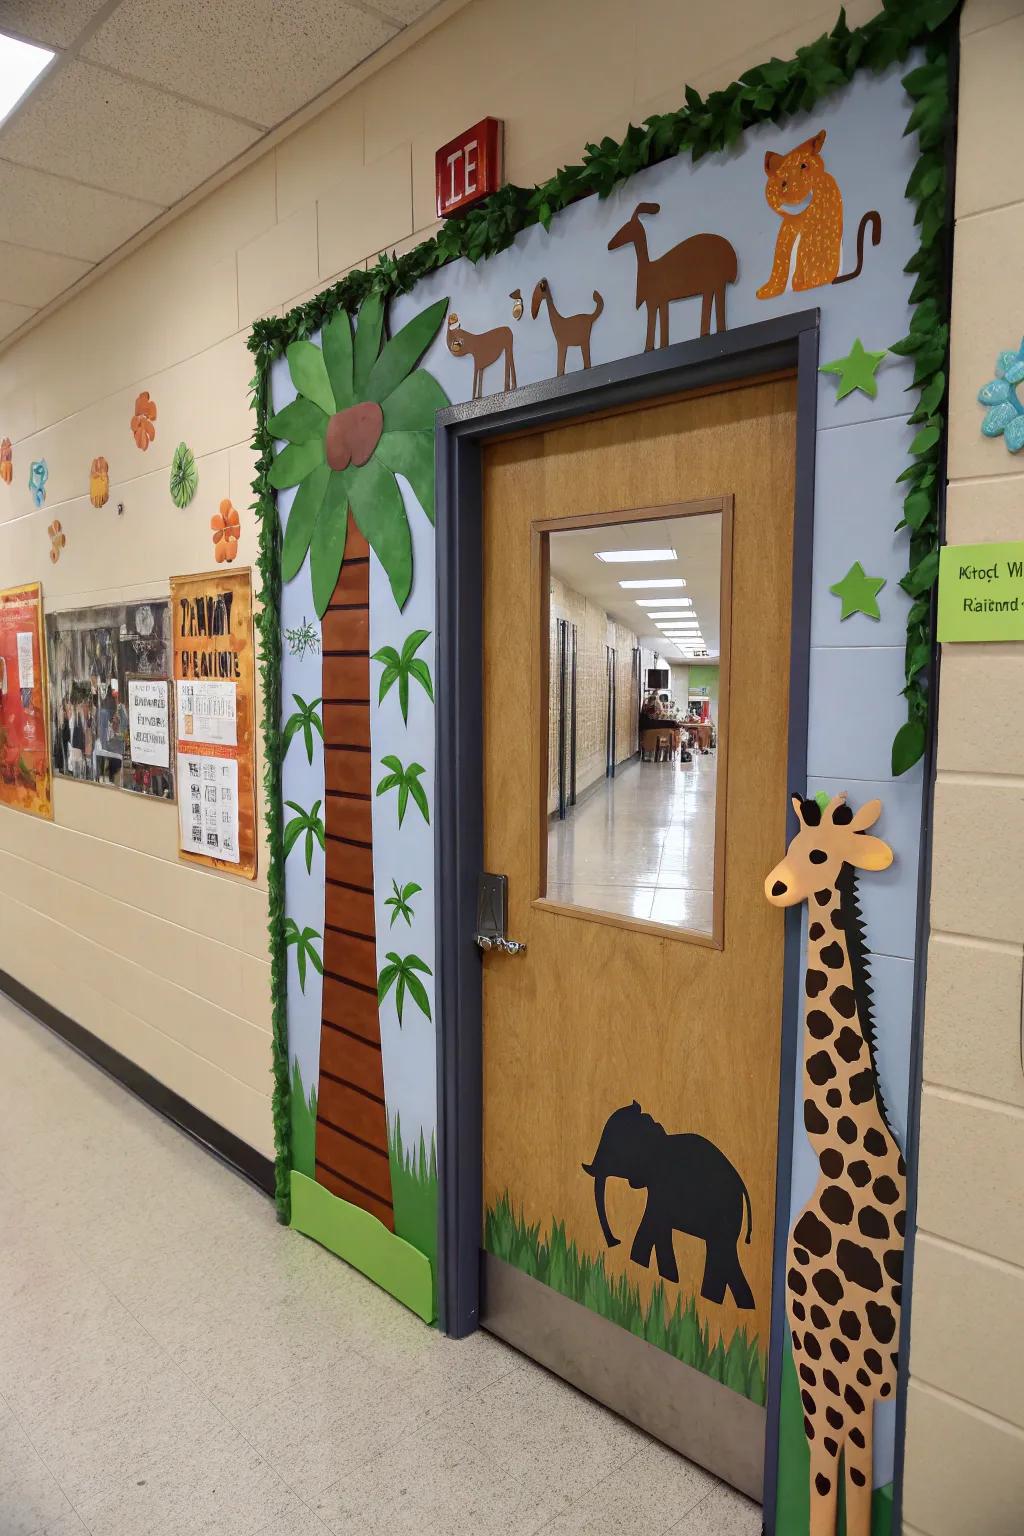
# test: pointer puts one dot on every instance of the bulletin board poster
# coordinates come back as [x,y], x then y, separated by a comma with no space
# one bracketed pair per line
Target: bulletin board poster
[215,719]
[24,759]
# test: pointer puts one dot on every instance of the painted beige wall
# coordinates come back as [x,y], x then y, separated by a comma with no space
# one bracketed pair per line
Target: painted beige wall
[166,962]
[965,1436]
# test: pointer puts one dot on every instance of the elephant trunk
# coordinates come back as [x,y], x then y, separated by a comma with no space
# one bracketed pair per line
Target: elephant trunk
[600,1181]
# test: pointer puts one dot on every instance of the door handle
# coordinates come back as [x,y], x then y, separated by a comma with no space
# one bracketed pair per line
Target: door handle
[491,916]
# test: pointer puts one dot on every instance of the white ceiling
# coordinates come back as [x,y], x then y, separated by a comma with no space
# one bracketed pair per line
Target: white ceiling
[144,102]
[697,541]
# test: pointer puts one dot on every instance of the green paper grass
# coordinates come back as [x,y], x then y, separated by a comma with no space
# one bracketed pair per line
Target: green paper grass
[365,1243]
[414,1192]
[303,1114]
[740,1366]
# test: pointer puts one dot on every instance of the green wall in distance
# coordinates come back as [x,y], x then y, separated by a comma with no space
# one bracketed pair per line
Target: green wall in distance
[706,677]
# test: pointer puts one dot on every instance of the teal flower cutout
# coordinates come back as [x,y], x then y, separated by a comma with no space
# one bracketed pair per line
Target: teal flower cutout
[1005,415]
[38,474]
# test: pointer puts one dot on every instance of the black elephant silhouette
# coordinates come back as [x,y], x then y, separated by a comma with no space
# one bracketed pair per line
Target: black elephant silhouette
[691,1187]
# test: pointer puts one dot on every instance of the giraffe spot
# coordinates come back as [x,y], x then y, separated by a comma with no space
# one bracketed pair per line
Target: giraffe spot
[838,920]
[885,1190]
[880,1321]
[820,1068]
[873,1361]
[811,813]
[831,1162]
[819,1024]
[819,1317]
[857,1477]
[901,1167]
[843,1001]
[874,1142]
[830,1445]
[839,1351]
[818,856]
[863,1377]
[854,1399]
[893,1264]
[860,1173]
[831,1381]
[884,1389]
[872,1223]
[811,1344]
[796,1341]
[859,1265]
[798,1310]
[848,1043]
[847,1130]
[834,1417]
[808,1428]
[810,1405]
[849,1324]
[862,1086]
[842,815]
[821,1483]
[823,898]
[833,1098]
[816,982]
[814,1121]
[813,1234]
[897,1294]
[815,931]
[857,1437]
[828,1286]
[832,956]
[837,1205]
[796,1282]
[894,1357]
[801,1255]
[899,1221]
[779,888]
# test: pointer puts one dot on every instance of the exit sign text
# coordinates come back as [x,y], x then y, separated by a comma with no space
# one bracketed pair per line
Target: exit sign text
[468,167]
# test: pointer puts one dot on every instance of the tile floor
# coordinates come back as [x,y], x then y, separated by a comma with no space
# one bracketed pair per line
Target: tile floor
[642,844]
[174,1363]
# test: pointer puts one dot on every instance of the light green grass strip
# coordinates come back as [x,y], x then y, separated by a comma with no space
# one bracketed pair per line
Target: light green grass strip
[362,1241]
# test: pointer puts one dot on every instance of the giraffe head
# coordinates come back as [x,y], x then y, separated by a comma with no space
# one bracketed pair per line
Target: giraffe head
[826,840]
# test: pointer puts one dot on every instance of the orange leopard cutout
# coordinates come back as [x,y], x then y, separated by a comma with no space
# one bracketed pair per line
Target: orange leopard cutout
[799,181]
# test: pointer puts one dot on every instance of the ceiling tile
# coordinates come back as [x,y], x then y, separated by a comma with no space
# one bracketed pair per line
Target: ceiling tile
[109,132]
[258,59]
[66,218]
[404,11]
[35,277]
[54,22]
[11,316]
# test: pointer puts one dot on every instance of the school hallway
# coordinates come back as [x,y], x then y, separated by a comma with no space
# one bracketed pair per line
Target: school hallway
[173,1362]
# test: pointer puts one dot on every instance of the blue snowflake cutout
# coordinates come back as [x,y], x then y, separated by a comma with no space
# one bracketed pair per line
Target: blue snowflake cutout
[1005,415]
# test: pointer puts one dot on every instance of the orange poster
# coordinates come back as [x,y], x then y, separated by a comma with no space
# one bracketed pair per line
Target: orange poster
[24,759]
[215,710]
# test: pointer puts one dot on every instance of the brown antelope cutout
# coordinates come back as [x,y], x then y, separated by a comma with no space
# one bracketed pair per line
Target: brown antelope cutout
[844,1262]
[800,177]
[569,330]
[484,347]
[702,266]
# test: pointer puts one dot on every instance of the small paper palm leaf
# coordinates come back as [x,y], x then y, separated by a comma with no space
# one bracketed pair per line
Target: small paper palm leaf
[400,901]
[407,782]
[399,668]
[305,720]
[308,822]
[305,953]
[400,973]
[184,475]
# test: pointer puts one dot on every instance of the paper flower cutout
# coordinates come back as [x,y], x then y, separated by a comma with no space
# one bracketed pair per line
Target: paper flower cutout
[57,540]
[99,481]
[6,461]
[226,526]
[143,429]
[1005,415]
[184,475]
[38,474]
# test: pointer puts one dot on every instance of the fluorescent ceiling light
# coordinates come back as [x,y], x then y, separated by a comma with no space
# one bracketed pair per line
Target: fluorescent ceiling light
[625,556]
[667,613]
[21,64]
[663,602]
[679,629]
[665,581]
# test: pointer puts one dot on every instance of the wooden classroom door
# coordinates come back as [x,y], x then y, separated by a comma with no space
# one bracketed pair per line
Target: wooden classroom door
[631,1052]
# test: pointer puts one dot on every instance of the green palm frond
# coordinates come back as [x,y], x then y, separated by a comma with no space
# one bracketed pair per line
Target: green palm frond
[407,782]
[400,973]
[400,666]
[308,822]
[400,901]
[305,953]
[305,720]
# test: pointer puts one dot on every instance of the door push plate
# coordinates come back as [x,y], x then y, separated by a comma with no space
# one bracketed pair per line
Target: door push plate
[492,916]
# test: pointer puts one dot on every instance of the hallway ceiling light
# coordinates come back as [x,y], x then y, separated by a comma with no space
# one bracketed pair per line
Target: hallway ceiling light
[667,613]
[623,556]
[665,581]
[21,64]
[663,602]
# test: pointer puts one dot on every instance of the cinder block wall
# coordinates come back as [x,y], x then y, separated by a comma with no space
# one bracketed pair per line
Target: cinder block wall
[965,1437]
[169,963]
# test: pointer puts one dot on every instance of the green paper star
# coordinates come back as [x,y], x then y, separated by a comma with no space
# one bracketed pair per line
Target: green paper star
[856,371]
[859,592]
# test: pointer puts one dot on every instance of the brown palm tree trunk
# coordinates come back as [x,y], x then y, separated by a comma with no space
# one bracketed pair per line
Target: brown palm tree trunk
[351,1120]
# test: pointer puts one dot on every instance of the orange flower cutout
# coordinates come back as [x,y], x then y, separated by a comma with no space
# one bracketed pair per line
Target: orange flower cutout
[143,429]
[6,461]
[58,540]
[226,526]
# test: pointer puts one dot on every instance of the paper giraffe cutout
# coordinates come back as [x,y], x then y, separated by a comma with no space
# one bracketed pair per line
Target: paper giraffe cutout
[845,1259]
[701,267]
[818,226]
[569,330]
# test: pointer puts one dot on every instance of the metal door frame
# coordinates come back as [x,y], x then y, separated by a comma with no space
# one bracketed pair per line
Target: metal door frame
[462,431]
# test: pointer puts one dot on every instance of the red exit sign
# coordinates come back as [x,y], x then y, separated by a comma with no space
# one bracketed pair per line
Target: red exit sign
[468,167]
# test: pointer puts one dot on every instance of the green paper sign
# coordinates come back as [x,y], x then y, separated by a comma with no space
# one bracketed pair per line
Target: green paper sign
[981,592]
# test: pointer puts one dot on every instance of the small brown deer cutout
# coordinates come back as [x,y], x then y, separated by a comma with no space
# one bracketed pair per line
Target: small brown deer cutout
[701,267]
[569,330]
[484,347]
